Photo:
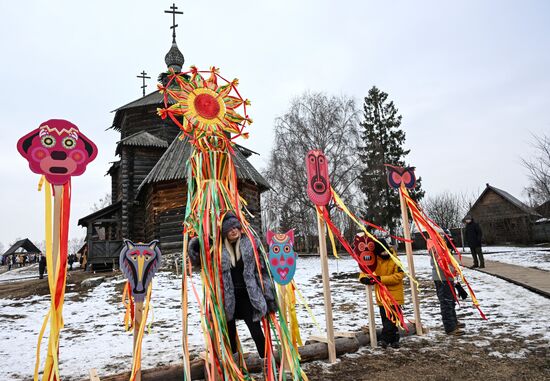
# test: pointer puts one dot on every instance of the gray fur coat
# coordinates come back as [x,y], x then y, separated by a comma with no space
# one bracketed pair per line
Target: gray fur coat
[262,300]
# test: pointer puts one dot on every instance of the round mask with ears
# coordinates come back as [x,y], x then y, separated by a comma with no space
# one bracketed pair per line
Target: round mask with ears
[58,150]
[282,258]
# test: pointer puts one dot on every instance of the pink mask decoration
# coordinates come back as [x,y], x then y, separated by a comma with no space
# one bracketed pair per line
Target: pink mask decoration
[318,183]
[57,150]
[398,176]
[282,258]
[365,248]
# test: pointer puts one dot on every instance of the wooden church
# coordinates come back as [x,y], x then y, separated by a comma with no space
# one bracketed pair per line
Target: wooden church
[148,181]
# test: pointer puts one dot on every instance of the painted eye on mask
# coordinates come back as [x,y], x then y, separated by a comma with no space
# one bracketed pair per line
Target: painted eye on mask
[134,258]
[48,141]
[371,246]
[286,249]
[276,249]
[362,246]
[69,143]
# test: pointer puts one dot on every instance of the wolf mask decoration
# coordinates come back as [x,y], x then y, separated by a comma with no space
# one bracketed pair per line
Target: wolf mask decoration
[139,262]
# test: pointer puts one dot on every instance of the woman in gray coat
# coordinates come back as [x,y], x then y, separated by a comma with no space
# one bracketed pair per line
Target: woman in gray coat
[244,296]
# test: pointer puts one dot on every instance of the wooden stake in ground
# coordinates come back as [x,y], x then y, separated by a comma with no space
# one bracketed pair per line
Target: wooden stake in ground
[372,324]
[326,290]
[410,262]
[136,358]
[402,179]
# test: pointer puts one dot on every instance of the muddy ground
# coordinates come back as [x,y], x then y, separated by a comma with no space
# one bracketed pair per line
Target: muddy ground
[27,288]
[416,360]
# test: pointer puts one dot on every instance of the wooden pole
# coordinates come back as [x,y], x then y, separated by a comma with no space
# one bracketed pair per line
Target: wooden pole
[283,306]
[58,193]
[372,324]
[410,261]
[326,291]
[138,316]
[184,306]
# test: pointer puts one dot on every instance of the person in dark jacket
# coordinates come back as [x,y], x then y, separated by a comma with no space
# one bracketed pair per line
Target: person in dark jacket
[41,266]
[473,235]
[244,296]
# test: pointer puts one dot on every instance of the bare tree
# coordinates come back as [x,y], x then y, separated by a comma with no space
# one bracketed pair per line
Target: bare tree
[538,169]
[313,121]
[75,244]
[102,202]
[446,209]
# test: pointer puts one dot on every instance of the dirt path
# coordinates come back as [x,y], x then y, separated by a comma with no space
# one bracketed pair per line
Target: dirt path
[26,288]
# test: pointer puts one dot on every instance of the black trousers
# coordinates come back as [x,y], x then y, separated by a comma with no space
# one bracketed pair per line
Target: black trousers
[477,256]
[447,305]
[243,311]
[390,333]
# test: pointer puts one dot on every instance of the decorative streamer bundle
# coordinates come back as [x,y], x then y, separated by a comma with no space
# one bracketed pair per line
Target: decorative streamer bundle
[207,114]
[321,194]
[282,261]
[403,179]
[139,263]
[56,150]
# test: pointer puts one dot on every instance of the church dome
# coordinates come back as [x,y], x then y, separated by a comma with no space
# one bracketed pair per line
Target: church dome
[174,58]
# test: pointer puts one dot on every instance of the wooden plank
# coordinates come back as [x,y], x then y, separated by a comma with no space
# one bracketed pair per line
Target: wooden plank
[326,290]
[372,323]
[93,375]
[410,261]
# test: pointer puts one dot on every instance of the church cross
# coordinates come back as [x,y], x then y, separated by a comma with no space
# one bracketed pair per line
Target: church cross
[174,12]
[143,76]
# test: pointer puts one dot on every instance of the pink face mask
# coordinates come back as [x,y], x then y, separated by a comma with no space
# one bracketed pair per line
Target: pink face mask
[318,183]
[57,150]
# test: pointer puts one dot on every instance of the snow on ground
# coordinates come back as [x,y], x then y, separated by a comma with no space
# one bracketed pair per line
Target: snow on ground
[522,256]
[94,337]
[536,257]
[17,273]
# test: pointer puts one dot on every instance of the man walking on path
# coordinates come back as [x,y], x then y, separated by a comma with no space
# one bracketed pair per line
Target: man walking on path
[473,240]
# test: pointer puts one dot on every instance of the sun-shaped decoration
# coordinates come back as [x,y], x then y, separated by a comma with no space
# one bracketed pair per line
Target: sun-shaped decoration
[202,108]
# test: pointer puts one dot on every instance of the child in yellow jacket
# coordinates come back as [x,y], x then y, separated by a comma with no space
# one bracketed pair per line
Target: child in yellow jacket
[391,276]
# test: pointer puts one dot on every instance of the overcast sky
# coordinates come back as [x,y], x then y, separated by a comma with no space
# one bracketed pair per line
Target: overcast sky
[471,78]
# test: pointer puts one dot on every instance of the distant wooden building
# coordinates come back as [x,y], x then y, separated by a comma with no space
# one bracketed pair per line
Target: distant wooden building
[148,182]
[22,247]
[503,218]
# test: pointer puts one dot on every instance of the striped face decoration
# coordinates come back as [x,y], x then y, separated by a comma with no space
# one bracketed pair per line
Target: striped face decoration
[365,249]
[139,262]
[318,183]
[282,258]
[57,150]
[398,176]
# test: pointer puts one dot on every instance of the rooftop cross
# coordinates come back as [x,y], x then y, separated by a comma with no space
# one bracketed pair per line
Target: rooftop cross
[174,12]
[143,76]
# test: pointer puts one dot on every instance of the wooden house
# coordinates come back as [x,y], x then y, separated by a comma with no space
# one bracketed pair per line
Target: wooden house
[148,181]
[503,218]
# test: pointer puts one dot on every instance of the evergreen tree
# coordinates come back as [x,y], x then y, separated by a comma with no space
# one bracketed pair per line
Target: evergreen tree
[382,142]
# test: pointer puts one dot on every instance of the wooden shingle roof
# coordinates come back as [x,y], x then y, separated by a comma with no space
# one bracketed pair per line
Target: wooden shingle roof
[25,244]
[172,166]
[142,139]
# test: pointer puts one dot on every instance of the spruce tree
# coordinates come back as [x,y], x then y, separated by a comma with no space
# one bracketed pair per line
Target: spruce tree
[382,142]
